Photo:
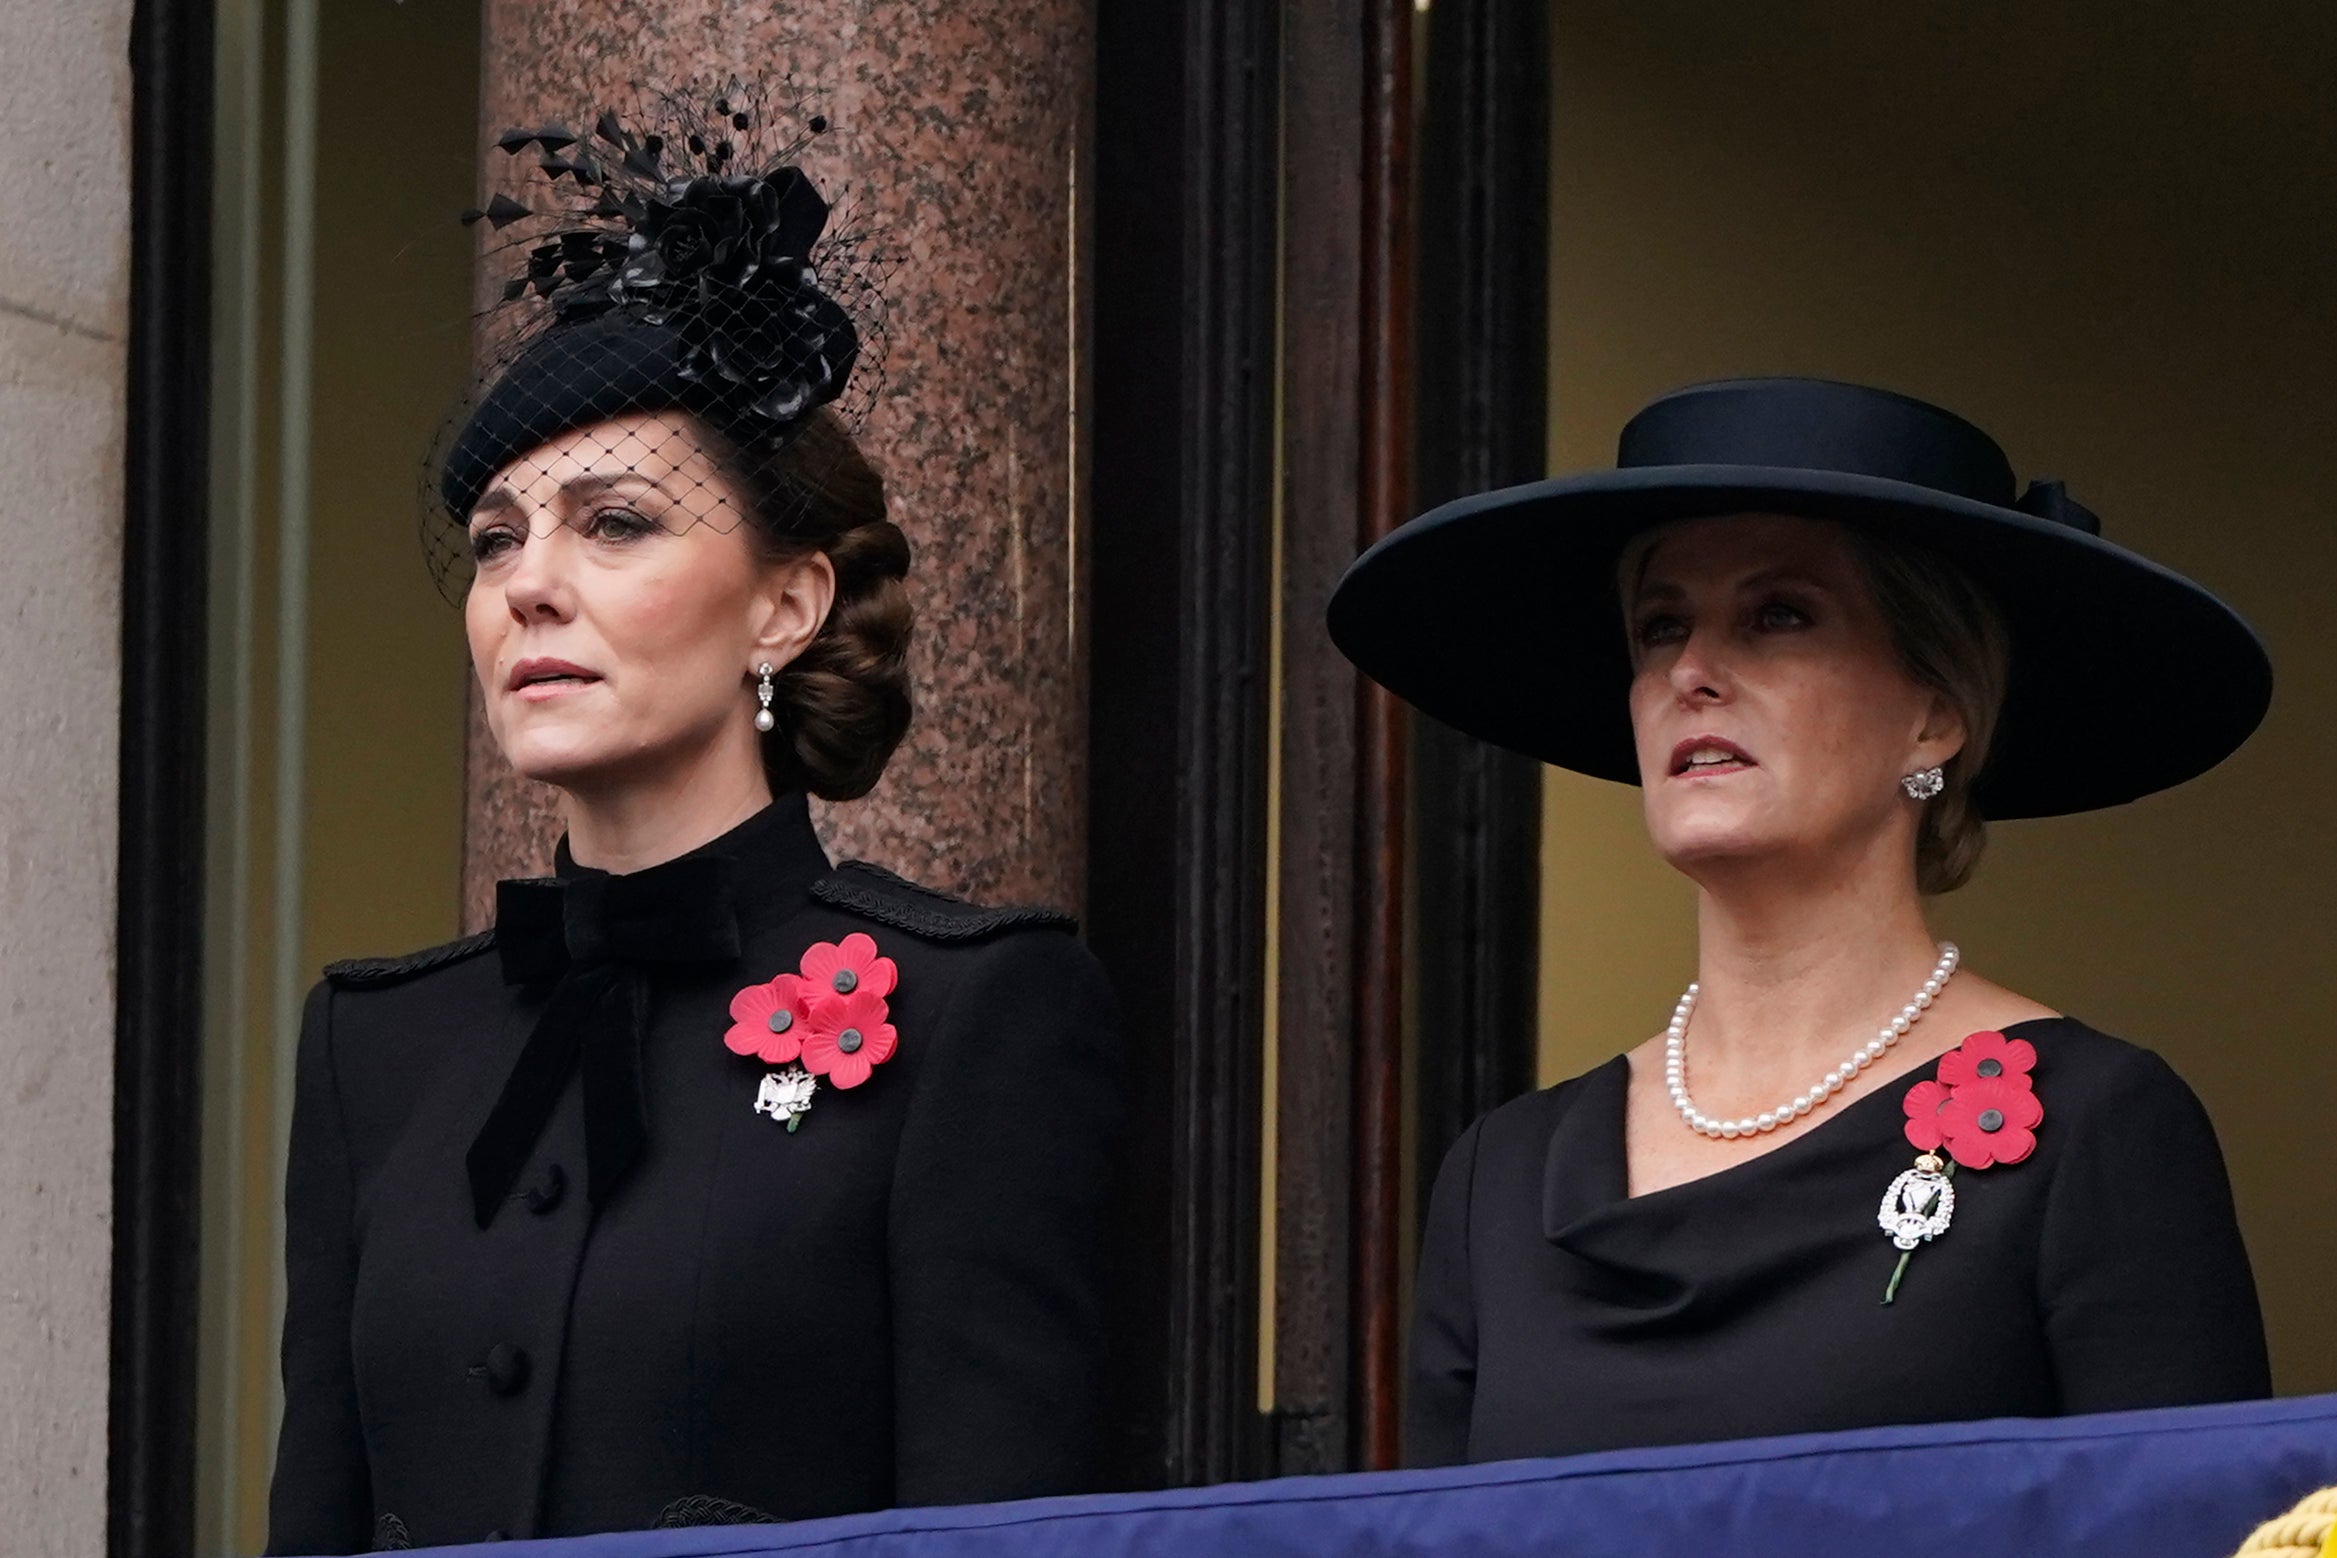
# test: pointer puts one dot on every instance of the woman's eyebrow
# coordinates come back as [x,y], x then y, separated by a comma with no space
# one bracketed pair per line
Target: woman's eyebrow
[1768,577]
[593,483]
[501,496]
[1663,591]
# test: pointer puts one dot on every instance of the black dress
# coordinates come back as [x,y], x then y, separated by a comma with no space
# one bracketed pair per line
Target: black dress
[1556,1314]
[559,1273]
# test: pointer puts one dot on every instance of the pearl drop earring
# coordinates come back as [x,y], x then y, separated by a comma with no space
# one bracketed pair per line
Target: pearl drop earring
[764,718]
[1924,784]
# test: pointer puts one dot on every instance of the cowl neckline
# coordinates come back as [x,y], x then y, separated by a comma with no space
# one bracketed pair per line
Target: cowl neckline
[1665,1257]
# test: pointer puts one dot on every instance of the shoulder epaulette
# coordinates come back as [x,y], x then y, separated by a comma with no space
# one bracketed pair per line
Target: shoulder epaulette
[365,973]
[878,894]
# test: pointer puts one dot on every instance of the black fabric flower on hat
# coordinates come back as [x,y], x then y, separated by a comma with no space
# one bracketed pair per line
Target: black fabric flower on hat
[675,258]
[725,257]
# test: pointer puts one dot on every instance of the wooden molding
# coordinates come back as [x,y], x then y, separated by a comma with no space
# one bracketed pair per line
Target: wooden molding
[1483,421]
[1181,572]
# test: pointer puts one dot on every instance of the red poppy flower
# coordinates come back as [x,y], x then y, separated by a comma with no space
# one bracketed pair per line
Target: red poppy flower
[848,1037]
[851,966]
[1987,1056]
[768,1021]
[1923,1104]
[1991,1120]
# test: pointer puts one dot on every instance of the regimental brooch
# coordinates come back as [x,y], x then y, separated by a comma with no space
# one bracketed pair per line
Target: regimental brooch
[1983,1110]
[786,1095]
[830,1020]
[1920,1203]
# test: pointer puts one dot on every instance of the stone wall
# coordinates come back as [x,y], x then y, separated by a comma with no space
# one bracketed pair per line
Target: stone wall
[64,306]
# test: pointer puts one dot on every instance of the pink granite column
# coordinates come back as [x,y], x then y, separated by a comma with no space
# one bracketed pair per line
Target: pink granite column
[960,130]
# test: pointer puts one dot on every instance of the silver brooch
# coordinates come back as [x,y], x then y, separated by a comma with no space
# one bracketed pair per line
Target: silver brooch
[1919,1204]
[786,1095]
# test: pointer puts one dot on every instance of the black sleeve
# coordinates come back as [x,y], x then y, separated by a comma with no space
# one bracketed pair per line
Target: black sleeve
[2147,1296]
[322,1498]
[999,1239]
[1443,1384]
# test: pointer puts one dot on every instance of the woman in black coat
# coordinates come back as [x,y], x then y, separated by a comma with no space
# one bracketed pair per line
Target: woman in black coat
[713,1183]
[1849,1184]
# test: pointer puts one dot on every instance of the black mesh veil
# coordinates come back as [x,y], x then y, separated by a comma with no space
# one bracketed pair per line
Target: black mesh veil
[679,303]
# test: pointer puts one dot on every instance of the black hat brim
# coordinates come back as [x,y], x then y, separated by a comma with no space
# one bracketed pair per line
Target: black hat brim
[1501,616]
[570,377]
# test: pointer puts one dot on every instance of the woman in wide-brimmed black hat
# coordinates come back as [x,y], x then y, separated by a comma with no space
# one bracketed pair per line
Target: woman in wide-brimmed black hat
[1850,1183]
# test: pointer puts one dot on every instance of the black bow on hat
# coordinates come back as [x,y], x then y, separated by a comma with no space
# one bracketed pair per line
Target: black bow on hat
[596,938]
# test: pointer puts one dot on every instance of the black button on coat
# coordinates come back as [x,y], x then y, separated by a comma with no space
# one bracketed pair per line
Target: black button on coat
[899,1302]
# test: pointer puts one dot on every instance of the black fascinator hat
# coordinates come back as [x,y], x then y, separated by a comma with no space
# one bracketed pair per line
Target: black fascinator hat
[673,257]
[1501,614]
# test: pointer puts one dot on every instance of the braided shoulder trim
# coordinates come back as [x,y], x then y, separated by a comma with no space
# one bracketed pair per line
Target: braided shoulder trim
[2304,1532]
[365,973]
[704,1509]
[878,894]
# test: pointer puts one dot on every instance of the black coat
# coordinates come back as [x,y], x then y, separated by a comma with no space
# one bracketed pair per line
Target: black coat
[899,1302]
[1557,1314]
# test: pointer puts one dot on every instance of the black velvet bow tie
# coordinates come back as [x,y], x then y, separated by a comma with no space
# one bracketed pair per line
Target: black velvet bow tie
[596,939]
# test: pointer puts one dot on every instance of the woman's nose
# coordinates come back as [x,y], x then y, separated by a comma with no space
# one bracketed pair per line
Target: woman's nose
[538,584]
[1699,673]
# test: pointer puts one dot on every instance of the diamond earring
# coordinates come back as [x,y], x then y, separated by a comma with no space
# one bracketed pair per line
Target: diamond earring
[764,718]
[1923,785]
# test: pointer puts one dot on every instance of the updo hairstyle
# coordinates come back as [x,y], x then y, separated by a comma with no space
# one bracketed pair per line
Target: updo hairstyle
[1951,639]
[843,704]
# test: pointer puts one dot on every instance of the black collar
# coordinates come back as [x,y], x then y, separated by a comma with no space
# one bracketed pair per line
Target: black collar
[598,939]
[696,908]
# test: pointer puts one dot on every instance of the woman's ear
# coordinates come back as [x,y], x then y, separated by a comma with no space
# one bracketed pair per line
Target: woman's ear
[1943,734]
[792,607]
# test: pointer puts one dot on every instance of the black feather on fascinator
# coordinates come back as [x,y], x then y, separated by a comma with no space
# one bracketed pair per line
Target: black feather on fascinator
[675,259]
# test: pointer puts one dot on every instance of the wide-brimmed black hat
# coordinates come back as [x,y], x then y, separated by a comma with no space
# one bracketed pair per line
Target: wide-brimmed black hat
[1501,614]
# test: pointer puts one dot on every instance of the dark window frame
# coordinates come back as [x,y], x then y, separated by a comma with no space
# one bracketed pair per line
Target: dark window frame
[1483,423]
[1181,565]
[150,1475]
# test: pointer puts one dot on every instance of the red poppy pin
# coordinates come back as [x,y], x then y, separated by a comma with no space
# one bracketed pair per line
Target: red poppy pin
[1982,1110]
[830,1019]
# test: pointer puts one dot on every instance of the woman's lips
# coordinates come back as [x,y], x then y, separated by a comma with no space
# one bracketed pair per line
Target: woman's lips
[546,691]
[1700,757]
[540,680]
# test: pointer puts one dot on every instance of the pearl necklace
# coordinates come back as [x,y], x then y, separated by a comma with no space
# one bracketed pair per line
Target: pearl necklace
[1676,1060]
